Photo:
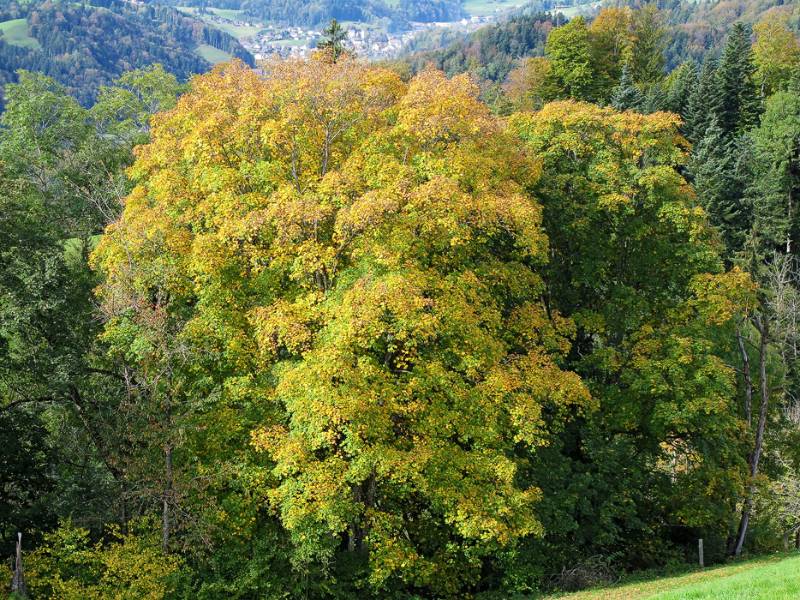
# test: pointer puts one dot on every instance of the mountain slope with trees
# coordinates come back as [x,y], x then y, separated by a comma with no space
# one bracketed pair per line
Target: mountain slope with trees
[85,47]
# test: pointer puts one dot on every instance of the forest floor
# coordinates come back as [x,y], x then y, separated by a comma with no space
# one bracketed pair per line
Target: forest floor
[776,577]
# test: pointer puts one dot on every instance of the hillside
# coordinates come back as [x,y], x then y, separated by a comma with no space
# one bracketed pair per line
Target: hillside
[85,47]
[697,27]
[492,51]
[312,13]
[693,29]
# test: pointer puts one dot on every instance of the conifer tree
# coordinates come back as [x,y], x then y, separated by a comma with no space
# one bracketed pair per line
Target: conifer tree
[655,99]
[626,95]
[702,103]
[720,181]
[680,85]
[648,47]
[334,36]
[739,105]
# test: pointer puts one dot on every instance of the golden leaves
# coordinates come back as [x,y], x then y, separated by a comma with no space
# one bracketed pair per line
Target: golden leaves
[439,110]
[362,257]
[723,296]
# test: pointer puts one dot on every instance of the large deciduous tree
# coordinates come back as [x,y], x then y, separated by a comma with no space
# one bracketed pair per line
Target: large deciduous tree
[631,261]
[362,260]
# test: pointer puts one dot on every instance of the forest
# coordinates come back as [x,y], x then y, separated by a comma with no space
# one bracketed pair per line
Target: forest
[85,47]
[332,329]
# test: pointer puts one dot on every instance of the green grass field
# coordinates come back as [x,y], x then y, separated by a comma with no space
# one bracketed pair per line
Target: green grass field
[773,578]
[237,31]
[478,8]
[15,32]
[212,55]
[571,11]
[227,13]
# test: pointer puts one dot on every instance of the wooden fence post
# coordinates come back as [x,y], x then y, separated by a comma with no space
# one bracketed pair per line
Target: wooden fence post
[700,551]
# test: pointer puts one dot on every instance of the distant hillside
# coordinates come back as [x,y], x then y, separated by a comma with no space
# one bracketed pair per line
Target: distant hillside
[490,52]
[697,26]
[694,28]
[313,13]
[84,47]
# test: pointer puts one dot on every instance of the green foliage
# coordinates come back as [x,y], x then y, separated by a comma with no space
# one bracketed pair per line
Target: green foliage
[721,171]
[128,566]
[614,205]
[739,104]
[355,335]
[647,54]
[703,103]
[626,95]
[774,190]
[679,87]
[572,70]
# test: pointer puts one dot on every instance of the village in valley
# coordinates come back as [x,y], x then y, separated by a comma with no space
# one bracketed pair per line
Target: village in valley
[268,40]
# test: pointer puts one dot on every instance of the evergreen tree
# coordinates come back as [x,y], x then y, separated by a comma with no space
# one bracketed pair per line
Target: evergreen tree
[739,105]
[655,99]
[626,95]
[680,85]
[720,178]
[334,37]
[702,103]
[648,47]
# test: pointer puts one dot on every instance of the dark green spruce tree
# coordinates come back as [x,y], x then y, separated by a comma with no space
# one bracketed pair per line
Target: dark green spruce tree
[680,86]
[626,95]
[739,102]
[703,102]
[719,171]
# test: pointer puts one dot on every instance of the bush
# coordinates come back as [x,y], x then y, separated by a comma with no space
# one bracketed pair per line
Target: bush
[68,566]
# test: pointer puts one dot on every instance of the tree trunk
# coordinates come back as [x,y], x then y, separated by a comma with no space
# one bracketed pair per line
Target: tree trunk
[763,329]
[18,586]
[165,517]
[747,381]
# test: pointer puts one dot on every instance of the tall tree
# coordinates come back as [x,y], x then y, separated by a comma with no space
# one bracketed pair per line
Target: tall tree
[649,43]
[626,95]
[529,85]
[572,71]
[775,189]
[615,204]
[776,54]
[680,85]
[333,40]
[703,103]
[739,101]
[720,173]
[611,40]
[769,324]
[358,271]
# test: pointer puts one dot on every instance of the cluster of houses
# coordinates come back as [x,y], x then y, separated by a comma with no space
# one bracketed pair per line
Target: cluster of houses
[281,41]
[365,41]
